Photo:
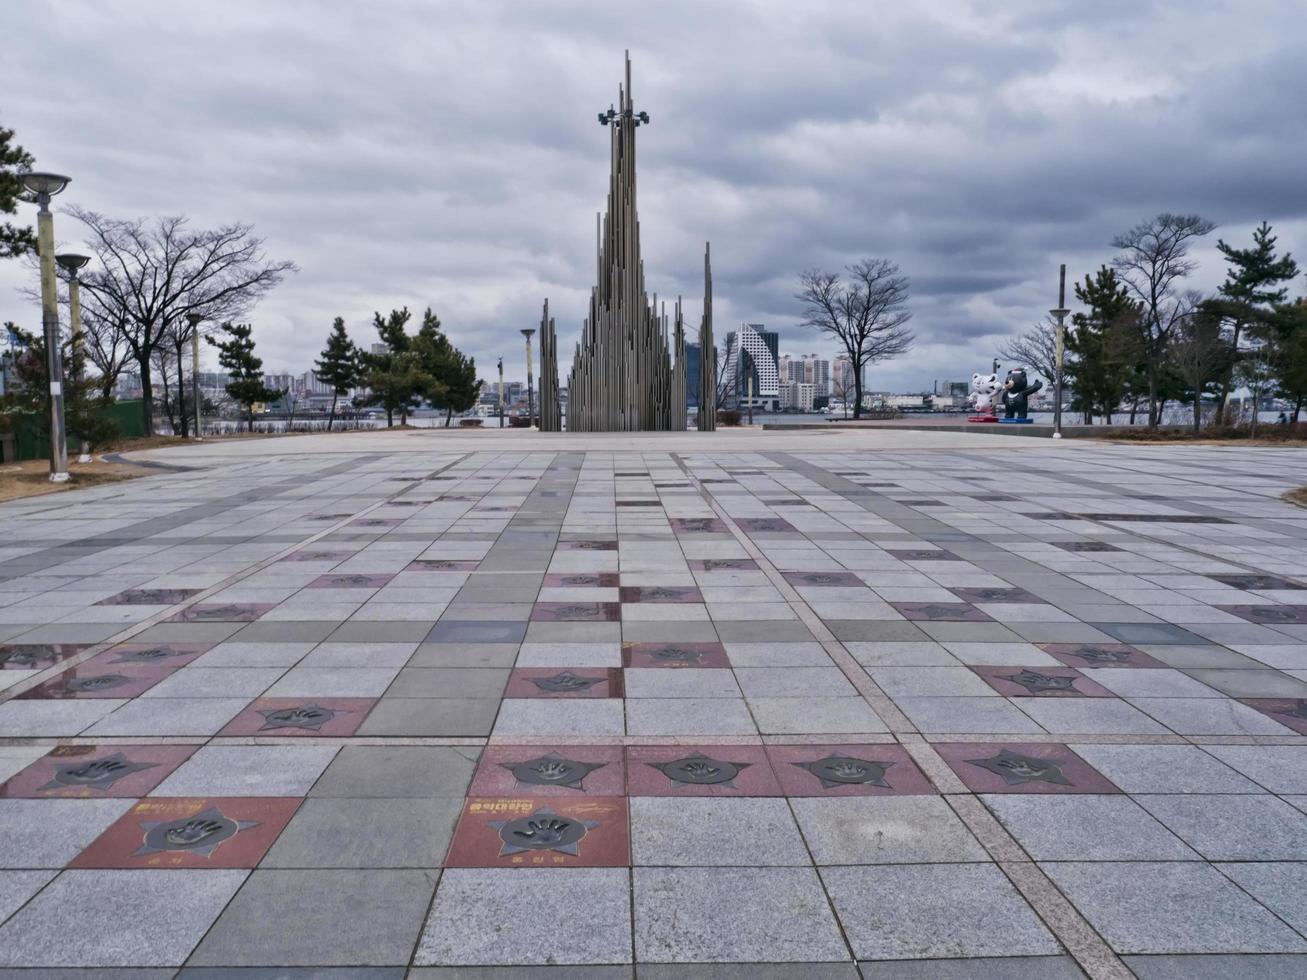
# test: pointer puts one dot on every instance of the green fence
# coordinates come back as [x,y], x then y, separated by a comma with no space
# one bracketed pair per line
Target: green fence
[28,439]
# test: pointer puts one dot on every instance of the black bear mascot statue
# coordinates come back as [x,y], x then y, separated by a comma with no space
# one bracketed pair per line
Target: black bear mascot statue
[1016,394]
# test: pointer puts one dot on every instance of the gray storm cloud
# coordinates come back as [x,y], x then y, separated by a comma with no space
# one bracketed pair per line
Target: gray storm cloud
[447,154]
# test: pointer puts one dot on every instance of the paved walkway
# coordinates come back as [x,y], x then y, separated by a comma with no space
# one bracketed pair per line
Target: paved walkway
[420,705]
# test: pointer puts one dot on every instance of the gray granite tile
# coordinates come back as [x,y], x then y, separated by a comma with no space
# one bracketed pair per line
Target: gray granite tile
[398,772]
[930,911]
[1233,827]
[714,832]
[491,916]
[366,833]
[884,830]
[1085,828]
[1177,907]
[773,915]
[354,918]
[50,833]
[117,918]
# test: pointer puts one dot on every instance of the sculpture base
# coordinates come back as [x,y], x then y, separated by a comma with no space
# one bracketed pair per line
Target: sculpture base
[1017,421]
[982,418]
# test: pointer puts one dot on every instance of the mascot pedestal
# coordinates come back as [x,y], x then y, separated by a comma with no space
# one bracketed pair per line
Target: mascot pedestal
[985,391]
[1016,397]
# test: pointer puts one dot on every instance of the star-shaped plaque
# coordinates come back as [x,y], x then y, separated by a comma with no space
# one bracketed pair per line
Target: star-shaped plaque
[552,770]
[200,833]
[308,716]
[566,682]
[543,830]
[843,770]
[1037,683]
[1016,769]
[97,774]
[700,770]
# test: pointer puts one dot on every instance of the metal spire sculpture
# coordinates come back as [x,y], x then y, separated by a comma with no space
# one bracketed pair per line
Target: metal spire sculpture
[623,377]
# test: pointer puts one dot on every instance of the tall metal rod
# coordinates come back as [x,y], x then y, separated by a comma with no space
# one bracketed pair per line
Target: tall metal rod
[1060,313]
[195,319]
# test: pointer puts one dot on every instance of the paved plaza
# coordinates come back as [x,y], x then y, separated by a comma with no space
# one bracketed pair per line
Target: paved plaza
[899,706]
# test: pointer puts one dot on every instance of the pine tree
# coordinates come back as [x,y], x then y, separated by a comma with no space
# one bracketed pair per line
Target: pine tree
[1250,287]
[237,358]
[1101,343]
[453,375]
[393,376]
[14,241]
[339,365]
[28,392]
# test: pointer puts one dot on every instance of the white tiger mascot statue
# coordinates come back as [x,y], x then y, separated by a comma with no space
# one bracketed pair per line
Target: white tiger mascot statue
[985,392]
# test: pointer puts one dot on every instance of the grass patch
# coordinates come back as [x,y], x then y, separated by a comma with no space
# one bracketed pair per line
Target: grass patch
[1268,434]
[31,477]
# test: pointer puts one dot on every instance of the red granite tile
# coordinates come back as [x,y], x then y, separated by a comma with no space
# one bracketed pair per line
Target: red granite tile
[1289,712]
[319,556]
[349,581]
[93,772]
[672,654]
[1041,682]
[842,579]
[1086,656]
[987,594]
[577,612]
[849,770]
[550,770]
[164,832]
[170,655]
[723,565]
[542,832]
[149,597]
[582,580]
[765,525]
[660,593]
[222,612]
[941,612]
[699,525]
[441,565]
[587,546]
[98,680]
[1270,615]
[36,656]
[1023,767]
[377,522]
[564,682]
[301,717]
[726,770]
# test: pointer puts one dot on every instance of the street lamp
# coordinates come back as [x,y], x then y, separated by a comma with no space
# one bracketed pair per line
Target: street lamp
[70,264]
[501,392]
[530,378]
[195,319]
[42,187]
[1060,313]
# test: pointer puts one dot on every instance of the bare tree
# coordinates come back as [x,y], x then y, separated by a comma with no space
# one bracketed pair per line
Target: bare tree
[842,388]
[1035,349]
[868,315]
[725,383]
[150,274]
[1153,258]
[1200,352]
[104,334]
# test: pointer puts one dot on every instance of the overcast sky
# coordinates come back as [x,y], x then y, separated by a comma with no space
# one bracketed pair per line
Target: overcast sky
[447,153]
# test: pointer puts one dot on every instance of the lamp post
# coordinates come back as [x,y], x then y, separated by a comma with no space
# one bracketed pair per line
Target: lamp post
[1060,313]
[42,187]
[530,378]
[195,319]
[70,264]
[501,392]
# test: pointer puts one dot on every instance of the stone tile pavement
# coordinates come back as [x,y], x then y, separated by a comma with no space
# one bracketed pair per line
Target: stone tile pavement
[807,711]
